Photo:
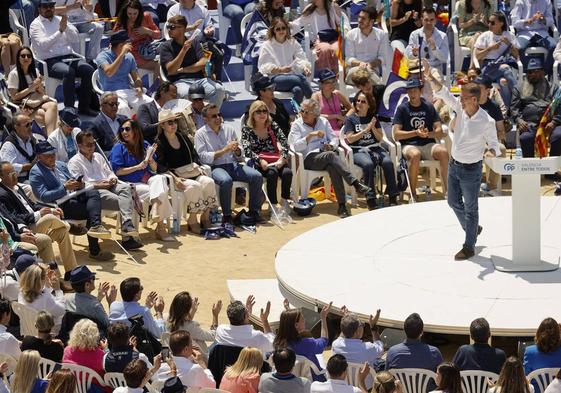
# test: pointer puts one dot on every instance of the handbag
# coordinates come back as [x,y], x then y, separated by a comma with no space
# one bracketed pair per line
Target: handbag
[190,170]
[492,68]
[268,156]
[328,35]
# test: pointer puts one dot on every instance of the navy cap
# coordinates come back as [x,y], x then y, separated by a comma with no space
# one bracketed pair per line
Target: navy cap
[23,262]
[535,63]
[173,385]
[118,37]
[69,117]
[484,80]
[196,91]
[413,83]
[80,274]
[46,2]
[326,74]
[262,82]
[44,147]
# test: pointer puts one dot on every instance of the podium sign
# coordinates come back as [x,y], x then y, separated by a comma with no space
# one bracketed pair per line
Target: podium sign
[526,212]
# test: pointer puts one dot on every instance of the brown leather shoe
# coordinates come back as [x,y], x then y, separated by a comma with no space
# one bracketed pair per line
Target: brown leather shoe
[463,254]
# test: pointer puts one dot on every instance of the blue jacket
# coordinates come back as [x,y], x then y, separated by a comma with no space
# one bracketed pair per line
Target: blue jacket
[103,132]
[45,185]
[535,359]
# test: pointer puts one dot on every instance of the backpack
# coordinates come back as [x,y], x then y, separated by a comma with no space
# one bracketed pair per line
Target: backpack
[145,341]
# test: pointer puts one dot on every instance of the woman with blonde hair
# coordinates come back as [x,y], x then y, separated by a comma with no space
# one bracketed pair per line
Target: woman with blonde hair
[36,288]
[43,342]
[84,347]
[384,382]
[62,381]
[243,376]
[25,375]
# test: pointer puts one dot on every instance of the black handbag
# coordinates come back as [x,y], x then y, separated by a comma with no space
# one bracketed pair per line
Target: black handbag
[328,35]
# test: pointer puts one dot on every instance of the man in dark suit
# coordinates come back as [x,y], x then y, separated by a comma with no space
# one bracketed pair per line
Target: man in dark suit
[147,114]
[107,123]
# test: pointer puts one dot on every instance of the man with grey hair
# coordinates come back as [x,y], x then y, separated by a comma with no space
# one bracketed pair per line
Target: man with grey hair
[240,332]
[107,123]
[350,343]
[312,135]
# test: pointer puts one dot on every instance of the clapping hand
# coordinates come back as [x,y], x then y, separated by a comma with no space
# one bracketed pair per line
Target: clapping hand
[216,308]
[249,303]
[194,308]
[102,290]
[325,311]
[286,304]
[111,295]
[264,314]
[151,299]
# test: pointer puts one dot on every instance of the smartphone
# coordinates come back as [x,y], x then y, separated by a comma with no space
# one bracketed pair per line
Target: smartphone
[165,353]
[56,367]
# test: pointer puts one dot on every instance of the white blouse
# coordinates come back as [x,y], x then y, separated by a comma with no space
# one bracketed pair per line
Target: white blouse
[275,54]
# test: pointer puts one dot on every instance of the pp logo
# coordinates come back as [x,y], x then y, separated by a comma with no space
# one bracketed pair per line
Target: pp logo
[417,122]
[509,167]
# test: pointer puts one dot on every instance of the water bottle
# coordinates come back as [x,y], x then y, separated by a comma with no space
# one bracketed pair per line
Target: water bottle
[208,69]
[176,226]
[518,151]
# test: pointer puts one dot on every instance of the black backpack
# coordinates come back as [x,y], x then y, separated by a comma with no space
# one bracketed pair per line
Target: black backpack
[145,341]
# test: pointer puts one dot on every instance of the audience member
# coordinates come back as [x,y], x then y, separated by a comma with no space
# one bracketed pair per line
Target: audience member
[530,19]
[137,374]
[555,385]
[62,381]
[350,344]
[292,334]
[448,379]
[40,290]
[107,123]
[492,44]
[193,114]
[9,345]
[181,317]
[10,279]
[322,20]
[235,10]
[27,89]
[131,293]
[366,46]
[264,89]
[93,168]
[546,352]
[479,355]
[85,348]
[122,349]
[157,9]
[282,380]
[51,181]
[184,63]
[337,368]
[473,19]
[19,147]
[133,161]
[218,146]
[147,114]
[52,38]
[332,102]
[191,366]
[63,139]
[177,157]
[197,16]
[264,143]
[25,375]
[384,382]
[240,332]
[413,353]
[417,126]
[243,376]
[117,67]
[141,31]
[281,58]
[405,17]
[17,244]
[10,41]
[83,303]
[512,378]
[364,135]
[312,136]
[43,342]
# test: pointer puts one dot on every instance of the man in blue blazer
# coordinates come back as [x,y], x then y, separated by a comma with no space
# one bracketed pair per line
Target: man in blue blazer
[107,123]
[51,181]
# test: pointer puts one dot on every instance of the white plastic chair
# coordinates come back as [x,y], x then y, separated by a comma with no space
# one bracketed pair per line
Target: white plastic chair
[476,381]
[84,376]
[414,380]
[303,367]
[115,380]
[352,375]
[542,377]
[46,366]
[51,83]
[306,176]
[355,169]
[27,316]
[459,52]
[18,27]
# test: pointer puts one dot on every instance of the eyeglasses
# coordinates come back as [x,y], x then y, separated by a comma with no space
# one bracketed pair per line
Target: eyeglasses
[114,104]
[281,28]
[172,27]
[214,116]
[171,122]
[26,125]
[26,56]
[262,111]
[126,128]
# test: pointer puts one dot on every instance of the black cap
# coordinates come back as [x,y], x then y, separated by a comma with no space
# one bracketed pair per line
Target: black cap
[196,91]
[484,80]
[70,117]
[326,74]
[173,385]
[80,274]
[262,82]
[44,147]
[118,37]
[413,83]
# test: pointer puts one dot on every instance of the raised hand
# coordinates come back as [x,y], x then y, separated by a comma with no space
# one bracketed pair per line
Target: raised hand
[325,310]
[249,303]
[151,299]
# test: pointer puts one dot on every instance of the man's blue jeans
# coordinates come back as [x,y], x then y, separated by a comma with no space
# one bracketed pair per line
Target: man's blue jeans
[224,176]
[297,84]
[214,91]
[236,13]
[464,181]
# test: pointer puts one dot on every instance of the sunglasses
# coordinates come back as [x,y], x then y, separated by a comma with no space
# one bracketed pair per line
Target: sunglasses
[282,28]
[215,115]
[26,56]
[171,122]
[26,125]
[115,104]
[126,128]
[262,111]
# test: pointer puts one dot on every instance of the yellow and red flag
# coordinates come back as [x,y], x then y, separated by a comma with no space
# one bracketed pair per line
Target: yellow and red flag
[541,144]
[399,64]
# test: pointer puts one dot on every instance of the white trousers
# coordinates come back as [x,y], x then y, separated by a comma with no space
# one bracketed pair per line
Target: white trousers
[156,189]
[129,102]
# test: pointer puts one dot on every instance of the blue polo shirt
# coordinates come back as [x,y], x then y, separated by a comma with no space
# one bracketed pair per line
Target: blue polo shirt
[120,80]
[413,354]
[121,158]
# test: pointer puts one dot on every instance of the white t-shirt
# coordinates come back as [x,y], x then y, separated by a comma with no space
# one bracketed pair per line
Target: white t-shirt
[333,386]
[554,386]
[13,79]
[487,39]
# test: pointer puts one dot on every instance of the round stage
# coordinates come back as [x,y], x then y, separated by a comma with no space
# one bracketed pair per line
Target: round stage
[401,259]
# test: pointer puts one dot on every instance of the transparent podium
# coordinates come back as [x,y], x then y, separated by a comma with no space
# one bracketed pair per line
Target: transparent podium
[526,250]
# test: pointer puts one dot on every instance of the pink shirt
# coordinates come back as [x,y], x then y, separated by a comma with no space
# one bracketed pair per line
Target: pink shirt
[92,359]
[331,106]
[240,385]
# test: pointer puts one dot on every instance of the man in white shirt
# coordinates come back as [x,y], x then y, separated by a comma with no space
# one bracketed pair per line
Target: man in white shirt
[191,366]
[240,332]
[366,46]
[19,148]
[9,345]
[52,38]
[93,168]
[198,17]
[533,17]
[337,368]
[475,137]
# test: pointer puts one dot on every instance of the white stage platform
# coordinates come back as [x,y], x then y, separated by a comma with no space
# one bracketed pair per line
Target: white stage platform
[401,260]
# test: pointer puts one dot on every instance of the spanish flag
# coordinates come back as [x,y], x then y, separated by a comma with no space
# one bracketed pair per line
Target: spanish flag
[341,43]
[541,144]
[399,64]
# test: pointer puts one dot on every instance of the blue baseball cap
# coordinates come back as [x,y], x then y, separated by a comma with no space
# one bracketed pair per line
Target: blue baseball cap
[535,63]
[70,117]
[484,80]
[118,37]
[44,147]
[413,83]
[326,74]
[23,262]
[80,274]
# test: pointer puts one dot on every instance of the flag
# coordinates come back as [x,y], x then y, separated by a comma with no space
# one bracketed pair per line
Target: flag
[254,35]
[541,145]
[394,94]
[399,64]
[341,44]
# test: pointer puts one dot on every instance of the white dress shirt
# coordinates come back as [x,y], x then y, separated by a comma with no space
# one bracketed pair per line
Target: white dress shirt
[244,336]
[366,48]
[333,386]
[53,303]
[299,130]
[190,374]
[93,171]
[471,134]
[437,57]
[9,345]
[46,39]
[36,214]
[276,54]
[9,153]
[10,291]
[524,10]
[192,15]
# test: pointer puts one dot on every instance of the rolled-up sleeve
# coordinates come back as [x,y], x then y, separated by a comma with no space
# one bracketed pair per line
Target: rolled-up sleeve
[297,138]
[8,153]
[202,147]
[449,99]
